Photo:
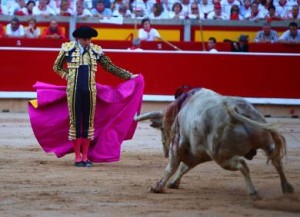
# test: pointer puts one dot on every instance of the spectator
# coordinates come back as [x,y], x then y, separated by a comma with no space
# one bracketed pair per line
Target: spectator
[122,11]
[167,5]
[158,12]
[272,14]
[264,6]
[235,13]
[116,5]
[205,7]
[217,13]
[245,8]
[294,14]
[53,31]
[14,28]
[65,9]
[28,10]
[81,11]
[266,34]
[254,14]
[9,7]
[242,45]
[176,12]
[142,8]
[227,5]
[292,35]
[136,45]
[100,10]
[212,42]
[195,13]
[107,3]
[32,31]
[42,9]
[281,8]
[146,33]
[20,5]
[186,7]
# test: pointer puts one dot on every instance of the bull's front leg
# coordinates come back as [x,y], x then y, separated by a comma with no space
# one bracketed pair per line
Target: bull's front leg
[171,168]
[172,165]
[175,182]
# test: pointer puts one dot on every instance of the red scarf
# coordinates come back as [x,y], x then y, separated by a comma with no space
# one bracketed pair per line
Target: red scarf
[254,14]
[234,17]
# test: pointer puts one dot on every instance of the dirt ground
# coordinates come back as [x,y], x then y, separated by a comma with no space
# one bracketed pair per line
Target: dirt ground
[34,183]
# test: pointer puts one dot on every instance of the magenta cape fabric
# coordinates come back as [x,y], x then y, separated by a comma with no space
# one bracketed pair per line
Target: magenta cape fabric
[114,123]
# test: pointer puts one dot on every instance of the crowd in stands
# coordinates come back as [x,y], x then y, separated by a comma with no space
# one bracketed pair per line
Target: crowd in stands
[252,10]
[14,29]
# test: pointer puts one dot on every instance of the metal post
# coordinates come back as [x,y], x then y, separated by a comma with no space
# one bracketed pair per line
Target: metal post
[72,26]
[187,30]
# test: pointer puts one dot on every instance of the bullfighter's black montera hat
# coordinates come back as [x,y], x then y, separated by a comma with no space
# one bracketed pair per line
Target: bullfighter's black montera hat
[85,32]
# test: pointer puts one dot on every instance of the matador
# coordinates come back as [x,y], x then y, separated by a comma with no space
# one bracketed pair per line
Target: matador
[82,58]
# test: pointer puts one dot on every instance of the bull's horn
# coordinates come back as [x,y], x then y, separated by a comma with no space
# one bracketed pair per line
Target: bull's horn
[149,115]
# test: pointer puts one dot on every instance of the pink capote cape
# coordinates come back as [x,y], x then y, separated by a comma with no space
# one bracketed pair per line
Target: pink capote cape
[114,123]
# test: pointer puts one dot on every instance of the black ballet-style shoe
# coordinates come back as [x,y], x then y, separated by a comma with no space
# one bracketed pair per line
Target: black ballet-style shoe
[88,163]
[79,164]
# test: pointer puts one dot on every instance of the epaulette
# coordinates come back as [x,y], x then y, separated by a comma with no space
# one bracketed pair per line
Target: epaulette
[67,46]
[96,48]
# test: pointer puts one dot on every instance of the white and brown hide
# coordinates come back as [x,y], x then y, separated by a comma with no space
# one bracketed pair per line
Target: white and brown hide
[202,125]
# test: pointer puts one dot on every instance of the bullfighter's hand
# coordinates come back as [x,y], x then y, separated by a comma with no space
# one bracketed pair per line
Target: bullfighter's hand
[134,76]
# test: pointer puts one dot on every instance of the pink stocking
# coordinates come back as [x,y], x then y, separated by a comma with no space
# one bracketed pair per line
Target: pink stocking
[77,147]
[85,149]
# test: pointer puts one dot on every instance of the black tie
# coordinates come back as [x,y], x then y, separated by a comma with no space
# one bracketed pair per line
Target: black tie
[84,50]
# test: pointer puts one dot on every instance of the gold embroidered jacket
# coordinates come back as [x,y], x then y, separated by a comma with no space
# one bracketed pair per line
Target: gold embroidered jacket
[70,54]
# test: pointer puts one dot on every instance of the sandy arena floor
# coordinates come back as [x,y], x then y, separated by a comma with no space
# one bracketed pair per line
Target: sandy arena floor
[34,183]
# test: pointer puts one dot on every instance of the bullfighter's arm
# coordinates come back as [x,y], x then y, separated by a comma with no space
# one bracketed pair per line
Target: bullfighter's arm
[106,63]
[58,65]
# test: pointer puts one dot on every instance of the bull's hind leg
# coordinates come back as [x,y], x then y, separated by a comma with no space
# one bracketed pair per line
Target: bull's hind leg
[237,163]
[275,153]
[285,185]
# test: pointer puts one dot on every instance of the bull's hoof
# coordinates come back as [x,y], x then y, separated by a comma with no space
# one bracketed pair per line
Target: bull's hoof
[288,188]
[173,185]
[156,190]
[255,196]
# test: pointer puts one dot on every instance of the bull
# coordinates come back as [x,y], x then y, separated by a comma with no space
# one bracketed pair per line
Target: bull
[202,125]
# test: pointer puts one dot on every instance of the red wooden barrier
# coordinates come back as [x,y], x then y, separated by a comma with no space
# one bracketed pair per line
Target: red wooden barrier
[247,75]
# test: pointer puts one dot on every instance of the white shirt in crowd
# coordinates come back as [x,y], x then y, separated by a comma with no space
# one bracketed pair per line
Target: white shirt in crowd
[20,32]
[37,11]
[32,33]
[148,36]
[286,36]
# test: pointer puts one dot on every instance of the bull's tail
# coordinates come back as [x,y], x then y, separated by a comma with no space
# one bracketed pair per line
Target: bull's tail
[278,139]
